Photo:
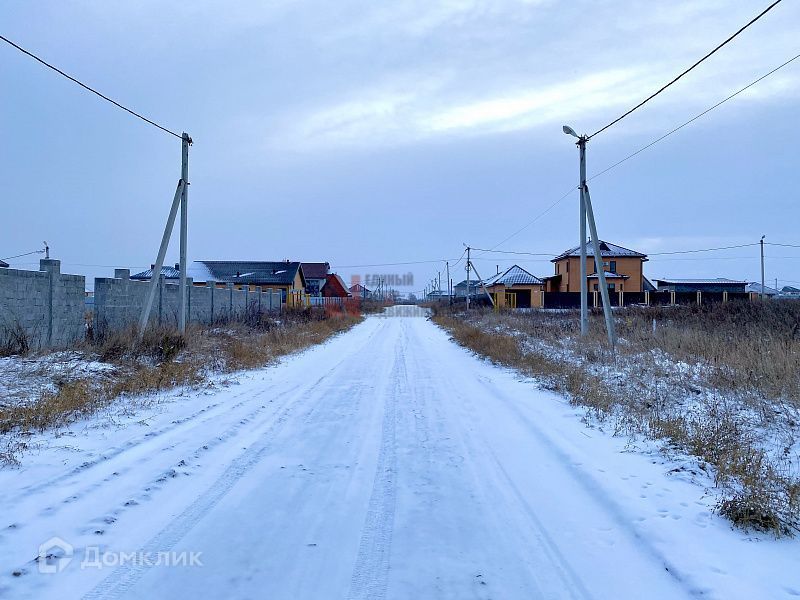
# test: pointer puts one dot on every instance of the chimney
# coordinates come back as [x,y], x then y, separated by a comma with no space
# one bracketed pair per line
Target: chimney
[177,266]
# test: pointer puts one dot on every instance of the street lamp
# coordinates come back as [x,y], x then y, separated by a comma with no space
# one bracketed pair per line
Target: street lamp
[584,283]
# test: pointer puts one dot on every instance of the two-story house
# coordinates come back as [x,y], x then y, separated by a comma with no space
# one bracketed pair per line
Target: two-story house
[623,268]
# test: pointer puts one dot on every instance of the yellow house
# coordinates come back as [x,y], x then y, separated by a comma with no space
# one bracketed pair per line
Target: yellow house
[284,276]
[515,288]
[623,268]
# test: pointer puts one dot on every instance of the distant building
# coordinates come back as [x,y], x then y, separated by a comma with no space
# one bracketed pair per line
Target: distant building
[719,284]
[359,291]
[755,288]
[515,287]
[3,264]
[622,267]
[460,289]
[169,273]
[286,276]
[316,275]
[335,287]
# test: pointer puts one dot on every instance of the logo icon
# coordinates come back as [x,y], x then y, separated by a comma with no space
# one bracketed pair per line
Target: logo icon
[54,555]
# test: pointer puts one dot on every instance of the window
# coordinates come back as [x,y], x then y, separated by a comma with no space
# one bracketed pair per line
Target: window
[567,265]
[612,266]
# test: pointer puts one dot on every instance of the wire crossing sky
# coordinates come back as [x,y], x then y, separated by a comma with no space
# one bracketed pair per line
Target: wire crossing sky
[379,136]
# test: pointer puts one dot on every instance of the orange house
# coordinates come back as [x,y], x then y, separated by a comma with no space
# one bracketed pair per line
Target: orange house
[623,268]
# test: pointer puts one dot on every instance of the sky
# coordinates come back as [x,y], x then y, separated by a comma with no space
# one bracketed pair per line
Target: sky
[366,134]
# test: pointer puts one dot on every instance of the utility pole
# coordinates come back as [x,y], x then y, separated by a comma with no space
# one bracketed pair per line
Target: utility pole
[449,297]
[178,201]
[762,266]
[440,285]
[468,264]
[185,141]
[586,213]
[584,282]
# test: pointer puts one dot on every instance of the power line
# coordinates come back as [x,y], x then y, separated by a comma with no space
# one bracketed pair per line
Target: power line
[653,95]
[512,252]
[705,112]
[25,254]
[536,218]
[703,249]
[784,245]
[86,87]
[416,262]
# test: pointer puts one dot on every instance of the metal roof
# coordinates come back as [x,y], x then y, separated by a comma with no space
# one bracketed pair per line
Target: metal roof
[316,270]
[722,280]
[610,275]
[606,250]
[514,275]
[167,272]
[249,272]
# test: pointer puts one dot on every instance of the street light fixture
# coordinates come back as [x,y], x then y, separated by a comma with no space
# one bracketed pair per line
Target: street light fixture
[569,131]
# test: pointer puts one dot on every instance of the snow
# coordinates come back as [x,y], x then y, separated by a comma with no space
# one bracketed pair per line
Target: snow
[386,463]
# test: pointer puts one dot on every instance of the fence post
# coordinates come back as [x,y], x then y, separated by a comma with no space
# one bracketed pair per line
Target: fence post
[647,297]
[621,298]
[230,301]
[53,268]
[160,299]
[724,297]
[672,297]
[699,298]
[212,286]
[258,291]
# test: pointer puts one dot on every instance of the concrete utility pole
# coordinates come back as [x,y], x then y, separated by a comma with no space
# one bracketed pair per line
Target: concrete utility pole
[185,141]
[762,266]
[586,213]
[468,264]
[449,297]
[180,199]
[584,281]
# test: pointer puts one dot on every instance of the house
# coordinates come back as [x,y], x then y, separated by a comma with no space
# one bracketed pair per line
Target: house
[789,290]
[316,275]
[335,287]
[359,291]
[286,276]
[169,273]
[755,288]
[623,268]
[515,288]
[460,289]
[719,284]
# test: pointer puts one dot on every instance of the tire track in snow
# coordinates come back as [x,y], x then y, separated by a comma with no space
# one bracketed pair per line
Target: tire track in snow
[124,577]
[371,571]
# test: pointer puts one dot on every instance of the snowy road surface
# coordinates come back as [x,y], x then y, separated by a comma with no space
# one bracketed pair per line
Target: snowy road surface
[386,463]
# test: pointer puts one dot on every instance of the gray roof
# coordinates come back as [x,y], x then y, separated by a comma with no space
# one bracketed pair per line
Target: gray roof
[514,275]
[754,286]
[606,250]
[713,281]
[609,275]
[167,272]
[472,283]
[316,270]
[249,272]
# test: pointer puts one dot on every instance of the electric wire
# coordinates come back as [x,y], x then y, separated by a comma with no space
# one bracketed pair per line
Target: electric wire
[656,93]
[86,87]
[693,119]
[24,254]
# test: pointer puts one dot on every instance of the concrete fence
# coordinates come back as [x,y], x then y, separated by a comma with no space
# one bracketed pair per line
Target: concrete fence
[118,302]
[45,307]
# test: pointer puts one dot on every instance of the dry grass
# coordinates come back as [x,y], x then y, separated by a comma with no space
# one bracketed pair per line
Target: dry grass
[742,387]
[164,360]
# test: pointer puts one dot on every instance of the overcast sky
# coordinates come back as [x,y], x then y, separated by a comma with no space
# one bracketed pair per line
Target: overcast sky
[362,133]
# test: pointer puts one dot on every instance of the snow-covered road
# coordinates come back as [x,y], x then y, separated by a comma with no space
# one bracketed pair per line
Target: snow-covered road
[386,463]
